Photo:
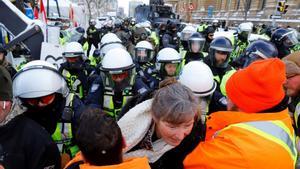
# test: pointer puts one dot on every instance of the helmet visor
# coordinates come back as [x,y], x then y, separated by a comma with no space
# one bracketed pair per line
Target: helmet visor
[118,80]
[143,55]
[290,39]
[196,46]
[184,36]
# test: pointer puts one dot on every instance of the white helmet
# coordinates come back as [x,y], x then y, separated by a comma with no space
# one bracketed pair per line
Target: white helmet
[73,49]
[117,59]
[215,21]
[39,78]
[165,56]
[117,62]
[143,52]
[110,37]
[245,27]
[197,76]
[109,41]
[187,32]
[168,55]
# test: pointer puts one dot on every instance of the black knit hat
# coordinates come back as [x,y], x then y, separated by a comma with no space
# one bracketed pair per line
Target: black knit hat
[5,85]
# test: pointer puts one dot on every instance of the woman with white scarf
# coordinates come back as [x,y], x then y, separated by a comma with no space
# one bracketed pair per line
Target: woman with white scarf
[163,128]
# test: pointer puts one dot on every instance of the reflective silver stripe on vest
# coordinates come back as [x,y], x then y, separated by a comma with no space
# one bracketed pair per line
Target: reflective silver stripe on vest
[276,131]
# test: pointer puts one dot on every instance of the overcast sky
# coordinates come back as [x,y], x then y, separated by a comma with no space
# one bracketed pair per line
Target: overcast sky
[125,4]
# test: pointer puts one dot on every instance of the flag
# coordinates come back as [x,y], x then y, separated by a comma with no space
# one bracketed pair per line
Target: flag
[43,12]
[36,13]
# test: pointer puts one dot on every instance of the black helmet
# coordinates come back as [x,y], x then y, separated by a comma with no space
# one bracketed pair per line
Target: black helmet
[220,45]
[284,37]
[96,53]
[171,26]
[259,49]
[3,50]
[140,34]
[118,25]
[196,42]
[209,30]
[284,40]
[80,30]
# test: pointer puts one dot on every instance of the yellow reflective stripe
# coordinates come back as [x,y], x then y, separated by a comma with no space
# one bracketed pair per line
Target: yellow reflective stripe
[66,73]
[289,145]
[217,78]
[85,46]
[57,134]
[74,150]
[81,92]
[110,109]
[284,127]
[224,81]
[296,114]
[183,53]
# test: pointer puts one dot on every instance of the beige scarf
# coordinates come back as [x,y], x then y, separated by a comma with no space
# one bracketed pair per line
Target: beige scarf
[134,126]
[16,109]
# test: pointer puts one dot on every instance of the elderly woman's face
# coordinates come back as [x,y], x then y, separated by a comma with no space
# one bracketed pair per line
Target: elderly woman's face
[174,134]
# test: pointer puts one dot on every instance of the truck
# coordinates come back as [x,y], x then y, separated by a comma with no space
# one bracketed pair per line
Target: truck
[156,12]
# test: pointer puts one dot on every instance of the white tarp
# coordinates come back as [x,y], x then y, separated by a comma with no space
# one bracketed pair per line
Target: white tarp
[52,54]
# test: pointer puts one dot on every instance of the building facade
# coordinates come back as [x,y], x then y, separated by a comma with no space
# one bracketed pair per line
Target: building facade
[235,11]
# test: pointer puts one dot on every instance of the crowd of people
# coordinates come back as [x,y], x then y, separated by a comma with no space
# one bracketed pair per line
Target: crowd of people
[164,97]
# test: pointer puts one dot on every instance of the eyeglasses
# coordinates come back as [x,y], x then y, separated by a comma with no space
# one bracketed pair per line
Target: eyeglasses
[222,52]
[119,76]
[45,100]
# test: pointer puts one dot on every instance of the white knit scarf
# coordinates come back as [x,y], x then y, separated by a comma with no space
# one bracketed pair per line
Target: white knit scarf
[134,126]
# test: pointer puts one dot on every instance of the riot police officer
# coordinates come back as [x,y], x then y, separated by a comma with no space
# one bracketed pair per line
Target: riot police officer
[44,92]
[257,50]
[143,57]
[244,31]
[116,84]
[284,40]
[93,36]
[168,63]
[217,59]
[75,70]
[170,38]
[195,45]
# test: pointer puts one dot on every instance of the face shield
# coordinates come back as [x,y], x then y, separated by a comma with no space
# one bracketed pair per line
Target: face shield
[184,36]
[196,45]
[119,80]
[254,56]
[244,35]
[169,68]
[220,56]
[290,39]
[143,55]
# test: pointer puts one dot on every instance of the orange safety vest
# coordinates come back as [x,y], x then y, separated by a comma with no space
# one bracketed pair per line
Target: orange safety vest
[132,163]
[236,140]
